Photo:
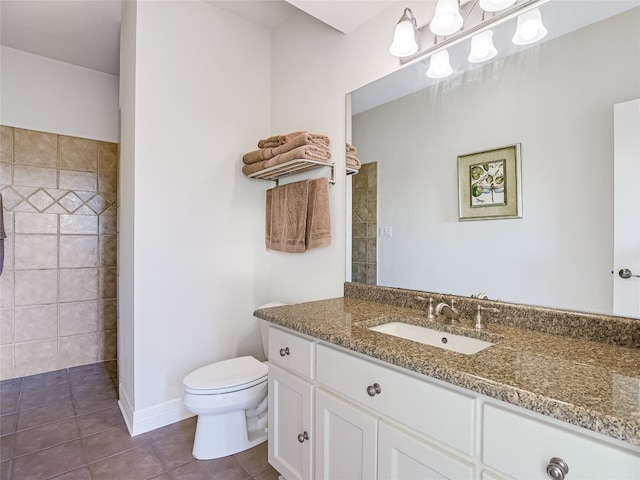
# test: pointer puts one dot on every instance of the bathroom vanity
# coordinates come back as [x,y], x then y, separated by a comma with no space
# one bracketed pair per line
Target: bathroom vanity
[349,402]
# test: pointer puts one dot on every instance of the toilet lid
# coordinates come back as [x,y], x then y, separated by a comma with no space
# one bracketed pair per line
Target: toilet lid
[225,374]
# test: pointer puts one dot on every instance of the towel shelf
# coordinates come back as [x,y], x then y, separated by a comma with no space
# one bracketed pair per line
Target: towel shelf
[294,166]
[352,171]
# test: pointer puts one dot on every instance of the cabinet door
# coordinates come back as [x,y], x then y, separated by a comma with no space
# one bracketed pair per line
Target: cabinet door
[345,440]
[402,456]
[290,430]
[521,446]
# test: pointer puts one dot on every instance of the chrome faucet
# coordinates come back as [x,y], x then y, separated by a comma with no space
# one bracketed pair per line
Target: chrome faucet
[480,324]
[448,311]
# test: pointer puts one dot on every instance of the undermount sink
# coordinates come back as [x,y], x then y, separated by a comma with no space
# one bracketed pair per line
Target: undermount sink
[434,338]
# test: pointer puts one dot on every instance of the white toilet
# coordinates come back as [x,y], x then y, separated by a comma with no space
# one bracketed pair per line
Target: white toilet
[230,399]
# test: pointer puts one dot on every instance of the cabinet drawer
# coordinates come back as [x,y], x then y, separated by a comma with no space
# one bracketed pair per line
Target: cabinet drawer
[437,412]
[291,352]
[520,445]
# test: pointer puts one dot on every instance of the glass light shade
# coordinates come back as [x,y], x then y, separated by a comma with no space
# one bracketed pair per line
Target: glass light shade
[404,40]
[439,67]
[529,28]
[447,19]
[482,47]
[495,5]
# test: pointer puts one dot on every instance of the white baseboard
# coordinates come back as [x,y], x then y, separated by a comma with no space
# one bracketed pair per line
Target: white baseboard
[150,418]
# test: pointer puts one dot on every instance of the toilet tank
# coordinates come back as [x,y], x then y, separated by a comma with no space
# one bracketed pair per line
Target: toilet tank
[264,327]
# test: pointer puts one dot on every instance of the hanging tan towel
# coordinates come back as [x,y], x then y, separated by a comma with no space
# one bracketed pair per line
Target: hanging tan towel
[266,153]
[318,214]
[286,217]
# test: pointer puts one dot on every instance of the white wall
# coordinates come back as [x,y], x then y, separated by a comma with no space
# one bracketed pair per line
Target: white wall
[550,100]
[313,68]
[195,234]
[47,95]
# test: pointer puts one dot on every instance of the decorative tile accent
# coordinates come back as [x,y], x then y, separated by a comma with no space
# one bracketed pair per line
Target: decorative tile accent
[98,204]
[41,200]
[10,198]
[70,202]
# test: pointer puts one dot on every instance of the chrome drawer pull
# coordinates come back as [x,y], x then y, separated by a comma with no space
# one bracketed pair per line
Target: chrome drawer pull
[557,468]
[373,390]
[303,436]
[284,351]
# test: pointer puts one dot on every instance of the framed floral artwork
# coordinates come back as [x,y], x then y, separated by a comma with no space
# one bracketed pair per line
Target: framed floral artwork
[490,184]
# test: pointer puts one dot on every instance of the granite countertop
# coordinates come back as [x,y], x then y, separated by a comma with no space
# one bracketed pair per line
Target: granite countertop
[589,384]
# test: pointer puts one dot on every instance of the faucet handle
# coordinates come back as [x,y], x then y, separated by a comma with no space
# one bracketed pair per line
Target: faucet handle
[480,324]
[431,314]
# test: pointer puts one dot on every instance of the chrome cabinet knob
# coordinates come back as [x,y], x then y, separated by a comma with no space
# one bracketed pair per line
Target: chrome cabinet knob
[284,351]
[373,390]
[557,468]
[626,273]
[303,436]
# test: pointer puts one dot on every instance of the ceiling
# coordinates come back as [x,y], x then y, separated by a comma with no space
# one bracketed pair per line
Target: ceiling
[87,32]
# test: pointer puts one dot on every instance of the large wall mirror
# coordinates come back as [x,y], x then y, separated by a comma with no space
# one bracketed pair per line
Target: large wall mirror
[556,100]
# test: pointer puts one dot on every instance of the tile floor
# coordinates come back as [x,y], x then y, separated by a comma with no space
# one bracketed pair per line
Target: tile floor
[67,425]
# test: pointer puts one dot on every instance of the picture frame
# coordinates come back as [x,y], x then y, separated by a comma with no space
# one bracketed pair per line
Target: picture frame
[490,184]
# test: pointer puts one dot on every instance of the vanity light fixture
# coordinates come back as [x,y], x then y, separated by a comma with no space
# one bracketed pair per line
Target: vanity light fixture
[455,21]
[529,28]
[447,19]
[404,37]
[482,47]
[439,66]
[495,5]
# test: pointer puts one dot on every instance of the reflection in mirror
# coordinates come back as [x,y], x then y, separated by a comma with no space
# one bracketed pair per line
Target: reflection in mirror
[556,99]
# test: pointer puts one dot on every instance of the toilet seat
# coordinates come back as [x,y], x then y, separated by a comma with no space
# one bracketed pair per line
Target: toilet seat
[226,376]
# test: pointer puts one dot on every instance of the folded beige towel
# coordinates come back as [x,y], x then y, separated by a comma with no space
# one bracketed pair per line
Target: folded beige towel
[278,140]
[286,217]
[311,152]
[352,161]
[318,232]
[266,153]
[351,148]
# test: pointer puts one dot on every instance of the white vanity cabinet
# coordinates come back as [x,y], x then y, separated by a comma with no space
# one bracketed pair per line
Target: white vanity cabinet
[291,403]
[522,446]
[337,414]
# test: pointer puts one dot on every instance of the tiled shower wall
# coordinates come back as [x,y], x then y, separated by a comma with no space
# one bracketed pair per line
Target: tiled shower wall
[58,305]
[364,225]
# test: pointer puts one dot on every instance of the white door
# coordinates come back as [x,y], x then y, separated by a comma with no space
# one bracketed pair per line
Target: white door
[345,440]
[626,256]
[290,435]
